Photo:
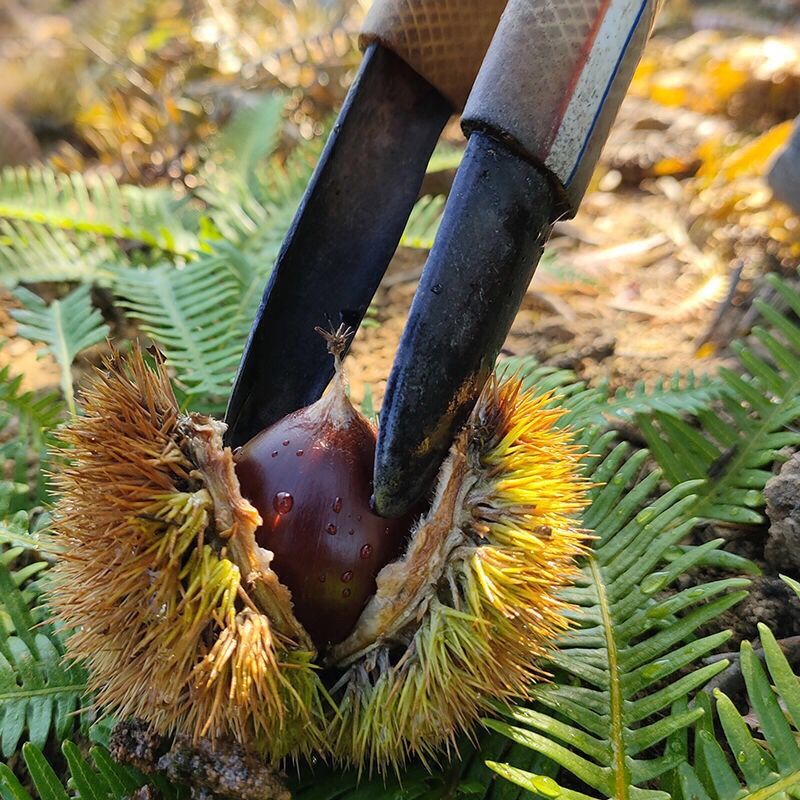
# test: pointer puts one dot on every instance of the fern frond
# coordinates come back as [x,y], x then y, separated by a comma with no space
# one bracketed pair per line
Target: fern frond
[280,194]
[31,253]
[240,149]
[682,394]
[445,157]
[762,758]
[24,571]
[66,326]
[99,779]
[251,194]
[15,531]
[39,694]
[423,223]
[95,204]
[588,406]
[633,652]
[26,419]
[199,316]
[732,452]
[36,413]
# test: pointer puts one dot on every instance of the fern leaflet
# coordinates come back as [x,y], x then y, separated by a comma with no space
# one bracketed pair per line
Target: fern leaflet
[242,146]
[97,205]
[633,652]
[35,413]
[99,779]
[32,253]
[38,692]
[732,452]
[588,406]
[758,767]
[423,223]
[66,326]
[446,156]
[199,315]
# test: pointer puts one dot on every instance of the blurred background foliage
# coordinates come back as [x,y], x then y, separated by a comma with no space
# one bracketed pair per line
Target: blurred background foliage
[137,86]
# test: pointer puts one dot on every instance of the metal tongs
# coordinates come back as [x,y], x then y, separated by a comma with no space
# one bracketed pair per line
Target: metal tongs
[539,82]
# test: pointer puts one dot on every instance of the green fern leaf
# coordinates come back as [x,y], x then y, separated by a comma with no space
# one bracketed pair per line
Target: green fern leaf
[754,767]
[31,253]
[66,326]
[270,212]
[16,607]
[445,157]
[15,531]
[24,560]
[99,779]
[682,394]
[38,692]
[35,413]
[634,652]
[242,146]
[97,205]
[423,223]
[589,406]
[199,315]
[251,194]
[732,452]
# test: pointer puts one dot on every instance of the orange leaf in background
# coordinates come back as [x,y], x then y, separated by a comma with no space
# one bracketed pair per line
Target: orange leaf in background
[724,80]
[672,88]
[671,166]
[753,158]
[172,109]
[648,66]
[706,350]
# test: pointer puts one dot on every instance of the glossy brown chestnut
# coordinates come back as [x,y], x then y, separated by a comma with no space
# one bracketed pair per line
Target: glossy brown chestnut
[310,477]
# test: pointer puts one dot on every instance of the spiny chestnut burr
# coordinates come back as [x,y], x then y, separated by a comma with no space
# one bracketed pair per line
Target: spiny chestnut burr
[201,616]
[310,477]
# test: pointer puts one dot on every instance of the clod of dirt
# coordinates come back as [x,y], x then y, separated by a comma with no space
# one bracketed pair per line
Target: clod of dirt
[782,551]
[221,770]
[135,743]
[211,770]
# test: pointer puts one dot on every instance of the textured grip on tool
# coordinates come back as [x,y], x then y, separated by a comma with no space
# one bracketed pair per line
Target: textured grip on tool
[443,40]
[554,77]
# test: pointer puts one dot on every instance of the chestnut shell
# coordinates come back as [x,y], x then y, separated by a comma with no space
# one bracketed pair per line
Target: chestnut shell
[311,480]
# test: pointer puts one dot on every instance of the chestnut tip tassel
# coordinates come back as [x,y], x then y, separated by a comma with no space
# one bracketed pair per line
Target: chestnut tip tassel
[310,477]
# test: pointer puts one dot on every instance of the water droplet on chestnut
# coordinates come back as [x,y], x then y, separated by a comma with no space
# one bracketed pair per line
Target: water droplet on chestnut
[351,531]
[274,453]
[285,442]
[322,578]
[299,452]
[346,592]
[366,551]
[331,529]
[283,502]
[337,505]
[347,576]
